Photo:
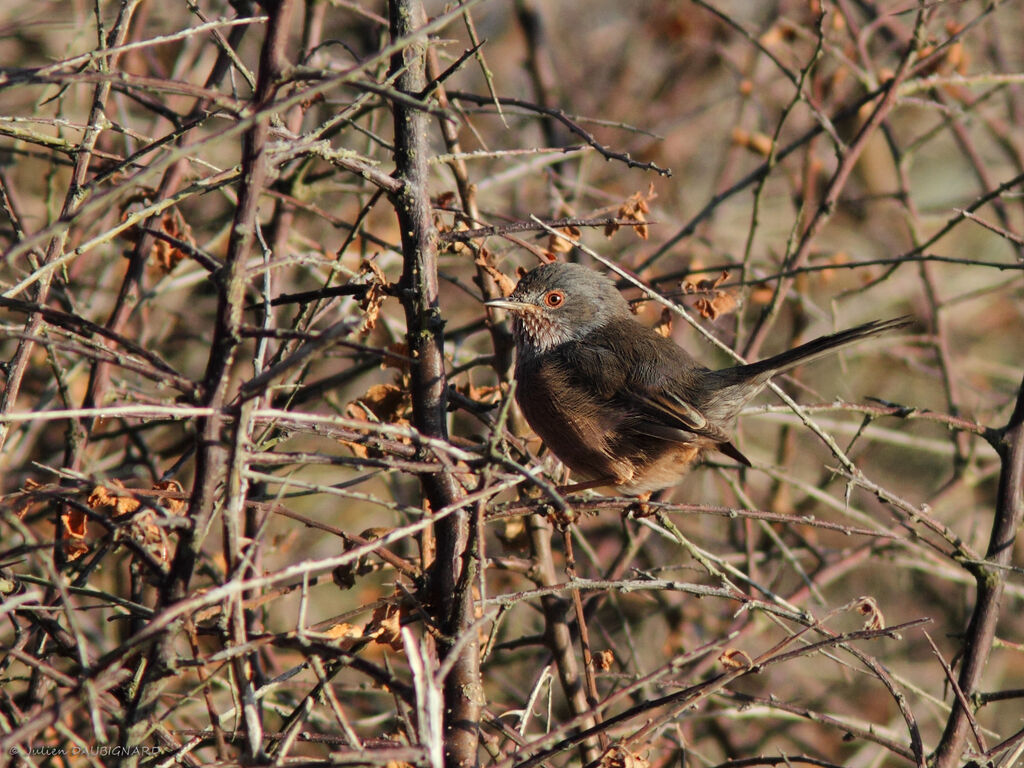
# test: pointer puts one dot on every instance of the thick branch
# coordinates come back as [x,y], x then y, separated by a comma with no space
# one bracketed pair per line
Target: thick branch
[991,579]
[217,433]
[450,585]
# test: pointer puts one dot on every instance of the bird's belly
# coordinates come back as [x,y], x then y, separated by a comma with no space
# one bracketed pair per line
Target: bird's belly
[656,469]
[593,437]
[574,426]
[578,441]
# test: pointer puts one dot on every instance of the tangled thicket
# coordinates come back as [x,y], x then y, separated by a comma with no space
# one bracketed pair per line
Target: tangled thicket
[267,498]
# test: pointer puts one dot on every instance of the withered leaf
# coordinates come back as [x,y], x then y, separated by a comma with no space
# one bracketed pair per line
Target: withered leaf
[664,326]
[705,285]
[866,606]
[617,756]
[372,277]
[174,506]
[165,254]
[635,210]
[385,626]
[504,282]
[559,245]
[604,659]
[715,302]
[734,658]
[388,402]
[101,498]
[722,303]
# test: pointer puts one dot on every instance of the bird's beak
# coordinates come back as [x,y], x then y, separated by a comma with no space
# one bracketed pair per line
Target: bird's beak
[511,306]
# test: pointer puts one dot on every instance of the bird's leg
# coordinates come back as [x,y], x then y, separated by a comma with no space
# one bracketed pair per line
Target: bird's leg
[639,508]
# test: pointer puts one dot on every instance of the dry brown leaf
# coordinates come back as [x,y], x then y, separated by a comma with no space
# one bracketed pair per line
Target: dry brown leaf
[453,246]
[401,350]
[715,302]
[143,527]
[505,284]
[558,245]
[151,536]
[734,658]
[74,549]
[617,756]
[488,393]
[388,402]
[75,528]
[385,626]
[343,630]
[27,504]
[371,276]
[664,325]
[164,254]
[866,606]
[174,506]
[705,285]
[74,524]
[722,303]
[635,210]
[604,659]
[101,498]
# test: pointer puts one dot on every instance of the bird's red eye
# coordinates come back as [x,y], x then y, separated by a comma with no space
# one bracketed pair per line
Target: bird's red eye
[554,299]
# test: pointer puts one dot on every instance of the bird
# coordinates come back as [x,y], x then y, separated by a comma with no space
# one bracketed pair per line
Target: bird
[618,403]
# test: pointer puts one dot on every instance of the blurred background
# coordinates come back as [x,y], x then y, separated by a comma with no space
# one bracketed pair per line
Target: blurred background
[780,170]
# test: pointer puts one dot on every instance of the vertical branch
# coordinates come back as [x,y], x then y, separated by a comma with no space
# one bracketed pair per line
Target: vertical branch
[557,633]
[131,286]
[219,464]
[213,452]
[990,577]
[450,589]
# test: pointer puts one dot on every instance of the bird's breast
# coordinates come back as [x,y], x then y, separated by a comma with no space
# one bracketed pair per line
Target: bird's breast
[572,419]
[583,419]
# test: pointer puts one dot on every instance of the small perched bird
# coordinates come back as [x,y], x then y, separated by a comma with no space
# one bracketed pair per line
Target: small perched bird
[619,404]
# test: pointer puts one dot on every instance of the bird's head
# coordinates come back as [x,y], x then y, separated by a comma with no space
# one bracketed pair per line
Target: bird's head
[557,303]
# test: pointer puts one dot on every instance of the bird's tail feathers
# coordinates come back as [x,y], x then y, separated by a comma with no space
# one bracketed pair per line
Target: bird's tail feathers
[820,347]
[732,388]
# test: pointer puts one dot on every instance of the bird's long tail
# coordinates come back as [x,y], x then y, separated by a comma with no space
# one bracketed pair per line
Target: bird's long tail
[732,388]
[819,347]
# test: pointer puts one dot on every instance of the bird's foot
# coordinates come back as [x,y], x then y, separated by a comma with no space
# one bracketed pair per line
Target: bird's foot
[639,507]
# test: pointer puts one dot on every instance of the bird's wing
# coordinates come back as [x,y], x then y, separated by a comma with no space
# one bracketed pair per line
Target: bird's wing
[651,383]
[669,408]
[668,416]
[633,381]
[665,398]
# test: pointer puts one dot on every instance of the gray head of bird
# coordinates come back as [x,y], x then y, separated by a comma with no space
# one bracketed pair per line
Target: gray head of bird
[558,303]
